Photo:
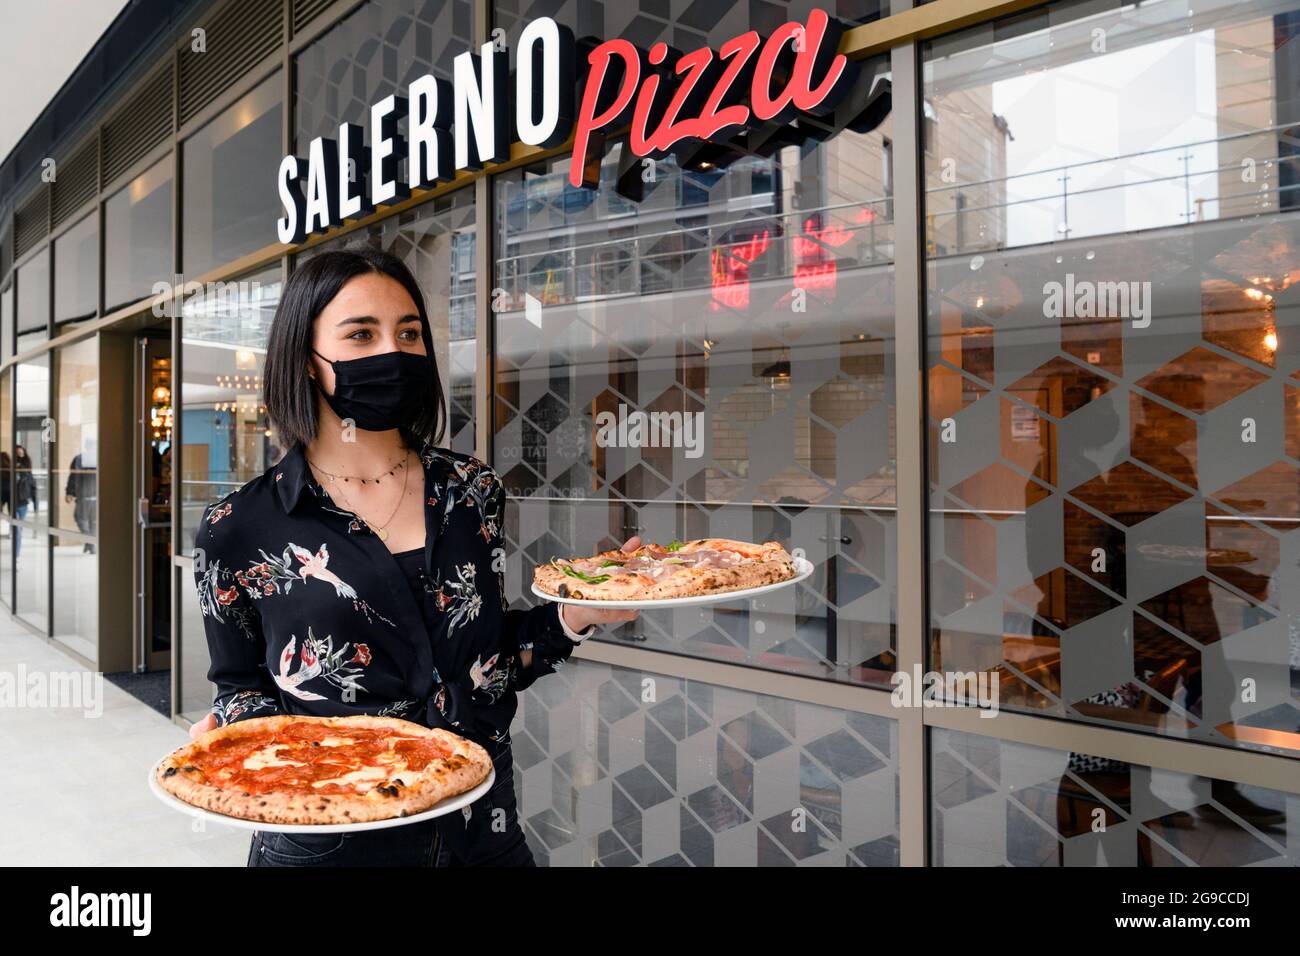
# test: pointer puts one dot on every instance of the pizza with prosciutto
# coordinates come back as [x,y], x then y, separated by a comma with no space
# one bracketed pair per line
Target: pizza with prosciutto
[322,770]
[679,570]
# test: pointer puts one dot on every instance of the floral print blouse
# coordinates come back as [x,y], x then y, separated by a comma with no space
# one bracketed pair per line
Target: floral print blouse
[306,610]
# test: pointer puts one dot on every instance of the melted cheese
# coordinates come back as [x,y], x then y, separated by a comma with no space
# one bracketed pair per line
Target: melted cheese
[336,741]
[356,777]
[266,757]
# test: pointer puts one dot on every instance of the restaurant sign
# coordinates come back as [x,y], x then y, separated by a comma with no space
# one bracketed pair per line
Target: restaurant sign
[666,101]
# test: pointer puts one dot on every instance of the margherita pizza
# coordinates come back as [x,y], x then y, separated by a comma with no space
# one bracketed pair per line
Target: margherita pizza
[322,770]
[680,570]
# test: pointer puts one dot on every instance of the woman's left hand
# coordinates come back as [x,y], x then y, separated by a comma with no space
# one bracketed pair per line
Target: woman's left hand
[580,618]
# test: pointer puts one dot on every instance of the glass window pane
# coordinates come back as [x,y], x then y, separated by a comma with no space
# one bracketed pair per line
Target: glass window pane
[34,293]
[195,691]
[370,54]
[75,477]
[1113,411]
[436,241]
[33,433]
[997,803]
[32,589]
[6,488]
[226,435]
[76,271]
[230,199]
[705,775]
[752,297]
[138,236]
[76,595]
[7,321]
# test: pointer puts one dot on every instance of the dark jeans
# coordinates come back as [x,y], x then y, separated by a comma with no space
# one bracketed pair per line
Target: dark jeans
[489,836]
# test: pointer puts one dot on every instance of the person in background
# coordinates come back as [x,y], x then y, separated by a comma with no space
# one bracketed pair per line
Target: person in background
[24,494]
[80,493]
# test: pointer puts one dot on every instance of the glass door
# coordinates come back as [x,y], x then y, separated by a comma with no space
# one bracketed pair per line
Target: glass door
[153,458]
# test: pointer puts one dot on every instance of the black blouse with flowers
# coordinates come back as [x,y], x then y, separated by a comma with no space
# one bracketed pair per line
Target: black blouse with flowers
[308,612]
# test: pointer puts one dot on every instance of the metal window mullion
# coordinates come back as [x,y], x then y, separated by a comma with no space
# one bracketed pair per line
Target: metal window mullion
[909,410]
[484,240]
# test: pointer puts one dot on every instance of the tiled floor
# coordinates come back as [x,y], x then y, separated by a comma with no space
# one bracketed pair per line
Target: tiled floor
[74,791]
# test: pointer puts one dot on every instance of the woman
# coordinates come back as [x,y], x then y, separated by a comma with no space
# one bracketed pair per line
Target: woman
[24,493]
[362,573]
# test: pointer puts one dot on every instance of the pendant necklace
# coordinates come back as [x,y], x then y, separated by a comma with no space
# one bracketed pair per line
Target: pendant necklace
[381,530]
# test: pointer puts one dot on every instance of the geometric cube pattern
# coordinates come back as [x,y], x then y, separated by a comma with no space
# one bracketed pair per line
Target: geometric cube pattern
[607,311]
[615,767]
[1115,506]
[997,803]
[372,53]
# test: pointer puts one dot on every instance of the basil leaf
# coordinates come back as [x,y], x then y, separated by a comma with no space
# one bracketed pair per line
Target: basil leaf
[676,546]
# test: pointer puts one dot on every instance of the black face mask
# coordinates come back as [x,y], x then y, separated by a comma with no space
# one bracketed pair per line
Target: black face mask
[379,392]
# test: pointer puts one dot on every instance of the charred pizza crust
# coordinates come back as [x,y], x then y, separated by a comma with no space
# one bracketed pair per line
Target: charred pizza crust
[402,793]
[767,563]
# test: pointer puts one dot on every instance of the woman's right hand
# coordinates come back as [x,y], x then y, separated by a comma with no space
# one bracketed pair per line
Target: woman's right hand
[203,726]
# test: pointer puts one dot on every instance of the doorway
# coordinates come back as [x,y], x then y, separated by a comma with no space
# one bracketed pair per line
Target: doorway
[152,457]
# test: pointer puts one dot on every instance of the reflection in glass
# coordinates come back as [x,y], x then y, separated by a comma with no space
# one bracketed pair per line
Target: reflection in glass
[227,436]
[32,586]
[34,293]
[76,271]
[997,803]
[195,692]
[33,431]
[1112,349]
[76,595]
[7,529]
[230,202]
[7,298]
[138,236]
[76,476]
[751,295]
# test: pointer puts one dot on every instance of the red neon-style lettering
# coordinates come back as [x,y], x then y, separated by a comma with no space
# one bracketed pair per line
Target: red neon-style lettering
[588,122]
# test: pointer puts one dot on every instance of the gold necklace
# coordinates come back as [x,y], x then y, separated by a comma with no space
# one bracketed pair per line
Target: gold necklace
[332,477]
[381,530]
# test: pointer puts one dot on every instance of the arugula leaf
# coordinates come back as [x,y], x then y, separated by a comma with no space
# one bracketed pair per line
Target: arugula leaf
[612,564]
[589,578]
[676,546]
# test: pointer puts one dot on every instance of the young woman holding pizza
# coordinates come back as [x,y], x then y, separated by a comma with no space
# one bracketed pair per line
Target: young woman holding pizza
[361,573]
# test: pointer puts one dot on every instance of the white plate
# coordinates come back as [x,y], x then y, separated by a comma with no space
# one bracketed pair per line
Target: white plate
[449,805]
[802,566]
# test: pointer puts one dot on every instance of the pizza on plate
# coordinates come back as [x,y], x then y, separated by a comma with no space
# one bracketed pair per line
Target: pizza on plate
[679,570]
[322,770]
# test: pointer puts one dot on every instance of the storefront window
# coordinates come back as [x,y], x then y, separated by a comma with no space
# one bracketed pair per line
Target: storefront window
[34,294]
[138,236]
[701,776]
[230,201]
[7,533]
[746,304]
[76,595]
[1113,411]
[32,433]
[75,478]
[76,271]
[997,803]
[7,322]
[436,241]
[227,438]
